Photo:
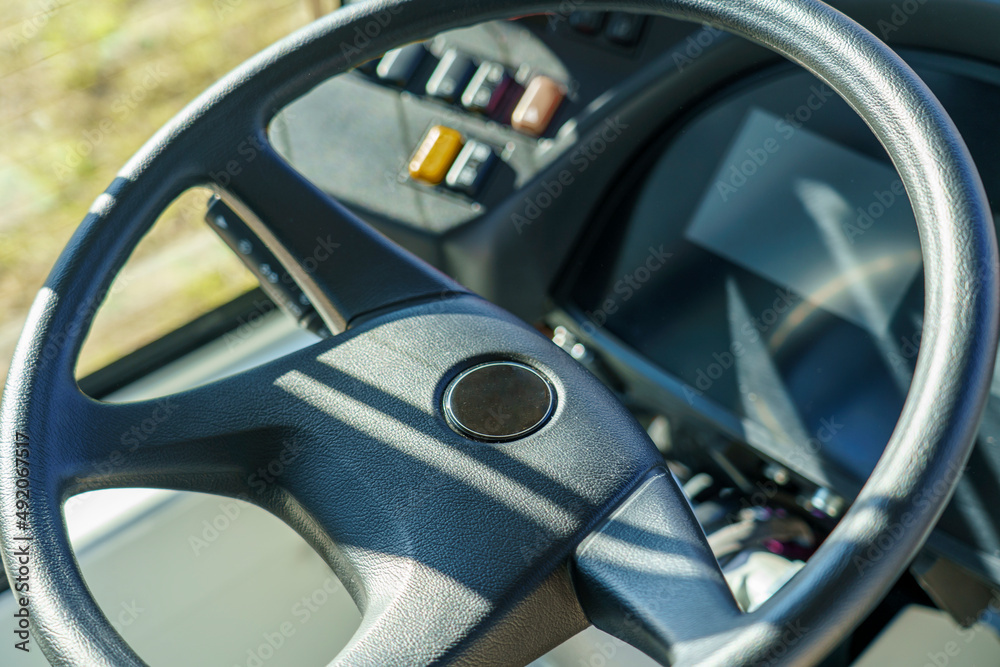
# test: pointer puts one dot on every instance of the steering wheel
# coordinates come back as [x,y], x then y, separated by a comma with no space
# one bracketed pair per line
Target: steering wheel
[466,535]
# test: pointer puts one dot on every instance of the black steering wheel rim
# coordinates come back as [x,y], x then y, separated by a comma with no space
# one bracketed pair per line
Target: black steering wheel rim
[898,507]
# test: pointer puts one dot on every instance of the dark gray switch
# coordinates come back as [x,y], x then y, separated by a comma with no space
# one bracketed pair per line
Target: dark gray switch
[450,77]
[472,167]
[399,65]
[587,22]
[624,28]
[486,90]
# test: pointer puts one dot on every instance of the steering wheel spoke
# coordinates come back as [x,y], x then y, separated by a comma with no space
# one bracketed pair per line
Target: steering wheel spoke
[648,576]
[200,440]
[345,267]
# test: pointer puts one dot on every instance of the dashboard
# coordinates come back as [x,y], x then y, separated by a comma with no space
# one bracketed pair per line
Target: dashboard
[708,228]
[793,290]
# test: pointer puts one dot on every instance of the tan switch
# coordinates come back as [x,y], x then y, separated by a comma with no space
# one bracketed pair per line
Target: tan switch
[436,154]
[538,106]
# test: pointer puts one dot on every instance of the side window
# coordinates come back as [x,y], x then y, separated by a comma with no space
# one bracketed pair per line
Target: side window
[84,84]
[180,271]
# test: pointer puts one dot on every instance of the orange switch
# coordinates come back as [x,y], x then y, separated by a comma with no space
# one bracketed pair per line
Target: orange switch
[437,152]
[538,106]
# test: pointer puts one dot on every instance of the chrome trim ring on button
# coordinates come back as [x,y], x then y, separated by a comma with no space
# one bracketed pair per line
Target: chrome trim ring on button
[474,426]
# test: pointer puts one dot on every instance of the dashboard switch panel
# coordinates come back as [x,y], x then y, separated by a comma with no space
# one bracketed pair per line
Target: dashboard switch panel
[399,65]
[436,155]
[536,109]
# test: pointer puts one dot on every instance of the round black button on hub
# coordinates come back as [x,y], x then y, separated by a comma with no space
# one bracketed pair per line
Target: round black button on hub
[499,401]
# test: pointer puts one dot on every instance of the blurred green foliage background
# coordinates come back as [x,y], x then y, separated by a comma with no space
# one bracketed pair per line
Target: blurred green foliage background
[83,84]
